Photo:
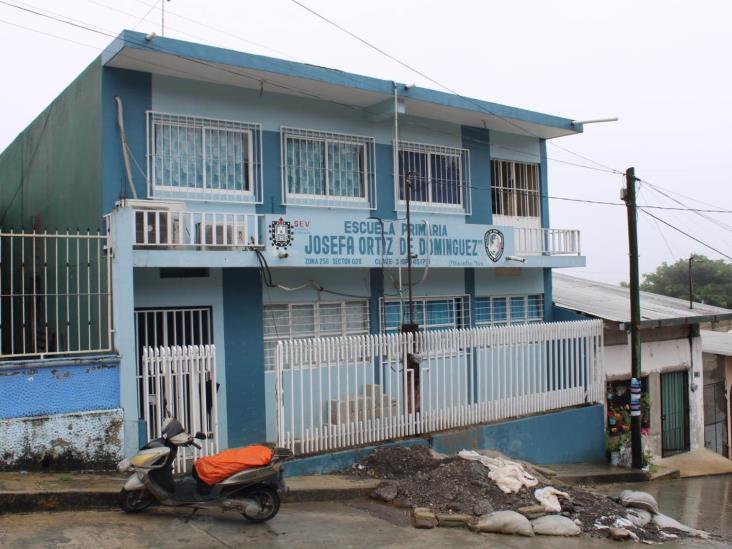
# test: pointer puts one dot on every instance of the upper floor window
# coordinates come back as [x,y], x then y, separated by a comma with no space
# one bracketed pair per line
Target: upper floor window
[431,313]
[202,158]
[515,188]
[502,310]
[327,169]
[437,177]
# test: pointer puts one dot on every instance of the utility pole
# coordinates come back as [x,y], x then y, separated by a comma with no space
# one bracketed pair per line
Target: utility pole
[629,197]
[162,22]
[411,392]
[691,283]
[408,185]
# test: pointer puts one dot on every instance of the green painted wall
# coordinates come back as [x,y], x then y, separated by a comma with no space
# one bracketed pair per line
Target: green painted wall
[50,175]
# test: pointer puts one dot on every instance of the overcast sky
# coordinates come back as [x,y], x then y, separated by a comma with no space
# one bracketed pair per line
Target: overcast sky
[663,67]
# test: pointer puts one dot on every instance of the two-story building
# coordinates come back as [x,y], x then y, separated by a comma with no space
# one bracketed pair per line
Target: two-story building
[251,200]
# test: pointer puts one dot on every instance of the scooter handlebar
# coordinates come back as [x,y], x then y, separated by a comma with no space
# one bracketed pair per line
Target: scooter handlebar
[196,445]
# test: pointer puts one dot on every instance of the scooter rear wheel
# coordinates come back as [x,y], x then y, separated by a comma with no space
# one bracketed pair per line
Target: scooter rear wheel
[134,501]
[269,503]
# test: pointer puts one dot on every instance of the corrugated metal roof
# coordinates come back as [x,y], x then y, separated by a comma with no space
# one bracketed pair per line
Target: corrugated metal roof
[718,343]
[613,302]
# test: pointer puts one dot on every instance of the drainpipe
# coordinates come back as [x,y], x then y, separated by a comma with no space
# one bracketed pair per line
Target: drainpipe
[123,140]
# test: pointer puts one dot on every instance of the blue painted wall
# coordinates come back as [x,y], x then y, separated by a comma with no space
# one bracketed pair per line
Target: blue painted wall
[135,90]
[564,315]
[272,175]
[569,436]
[243,333]
[39,389]
[477,141]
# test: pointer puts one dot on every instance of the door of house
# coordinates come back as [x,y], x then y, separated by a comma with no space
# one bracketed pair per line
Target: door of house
[715,418]
[674,412]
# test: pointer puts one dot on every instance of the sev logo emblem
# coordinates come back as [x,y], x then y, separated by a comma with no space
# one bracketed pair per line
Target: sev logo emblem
[280,234]
[493,241]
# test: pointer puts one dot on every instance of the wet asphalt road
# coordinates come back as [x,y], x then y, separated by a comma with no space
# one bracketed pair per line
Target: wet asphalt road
[702,503]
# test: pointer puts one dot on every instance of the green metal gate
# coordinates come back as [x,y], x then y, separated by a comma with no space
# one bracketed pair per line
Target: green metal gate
[675,412]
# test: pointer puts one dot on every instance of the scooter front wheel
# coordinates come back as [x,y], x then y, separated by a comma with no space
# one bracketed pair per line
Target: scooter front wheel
[134,501]
[268,500]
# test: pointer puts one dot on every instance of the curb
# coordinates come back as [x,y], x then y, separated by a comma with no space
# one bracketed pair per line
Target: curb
[604,478]
[29,502]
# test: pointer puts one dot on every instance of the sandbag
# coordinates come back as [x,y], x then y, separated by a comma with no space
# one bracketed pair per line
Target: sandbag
[639,500]
[555,525]
[547,496]
[504,522]
[214,469]
[664,522]
[509,476]
[639,517]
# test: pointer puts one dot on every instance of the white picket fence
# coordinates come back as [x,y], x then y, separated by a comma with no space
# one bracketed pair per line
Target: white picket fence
[334,393]
[181,382]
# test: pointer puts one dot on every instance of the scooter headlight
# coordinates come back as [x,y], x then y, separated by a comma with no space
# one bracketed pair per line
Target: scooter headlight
[124,466]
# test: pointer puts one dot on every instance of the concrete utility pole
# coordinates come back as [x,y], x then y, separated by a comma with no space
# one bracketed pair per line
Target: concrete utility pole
[629,197]
[691,283]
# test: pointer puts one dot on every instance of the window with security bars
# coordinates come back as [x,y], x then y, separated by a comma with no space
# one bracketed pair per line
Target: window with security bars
[433,313]
[503,310]
[307,320]
[326,168]
[515,188]
[437,177]
[194,157]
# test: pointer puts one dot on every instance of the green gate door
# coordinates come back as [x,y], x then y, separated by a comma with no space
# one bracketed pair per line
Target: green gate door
[675,412]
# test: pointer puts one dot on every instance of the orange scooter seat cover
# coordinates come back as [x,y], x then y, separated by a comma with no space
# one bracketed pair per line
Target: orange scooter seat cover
[214,469]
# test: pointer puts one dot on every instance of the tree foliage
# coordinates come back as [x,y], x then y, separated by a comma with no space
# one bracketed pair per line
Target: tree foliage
[712,280]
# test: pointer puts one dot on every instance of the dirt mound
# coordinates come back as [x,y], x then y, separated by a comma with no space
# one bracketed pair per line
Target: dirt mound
[417,477]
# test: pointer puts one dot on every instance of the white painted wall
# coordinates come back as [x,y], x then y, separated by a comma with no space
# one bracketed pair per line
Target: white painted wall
[520,148]
[527,281]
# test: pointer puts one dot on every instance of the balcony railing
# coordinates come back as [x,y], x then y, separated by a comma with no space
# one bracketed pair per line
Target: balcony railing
[166,229]
[538,241]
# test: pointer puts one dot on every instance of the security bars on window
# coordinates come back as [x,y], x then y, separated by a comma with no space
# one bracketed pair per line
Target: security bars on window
[502,310]
[304,320]
[55,296]
[203,159]
[327,169]
[439,178]
[515,188]
[433,313]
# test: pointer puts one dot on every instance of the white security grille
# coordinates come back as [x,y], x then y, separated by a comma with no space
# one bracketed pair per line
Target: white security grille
[431,313]
[538,241]
[515,188]
[439,178]
[341,392]
[55,296]
[515,309]
[180,382]
[320,319]
[202,158]
[328,169]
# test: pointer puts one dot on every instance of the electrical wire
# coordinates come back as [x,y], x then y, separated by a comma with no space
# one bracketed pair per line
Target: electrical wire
[686,234]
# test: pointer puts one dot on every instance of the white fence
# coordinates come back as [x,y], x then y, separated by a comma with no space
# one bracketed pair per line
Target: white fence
[181,382]
[169,229]
[55,296]
[538,241]
[336,393]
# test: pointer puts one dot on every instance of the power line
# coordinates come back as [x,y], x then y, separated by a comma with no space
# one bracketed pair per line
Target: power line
[449,89]
[686,234]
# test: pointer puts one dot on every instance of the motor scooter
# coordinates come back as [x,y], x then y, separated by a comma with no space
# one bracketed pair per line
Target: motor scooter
[254,492]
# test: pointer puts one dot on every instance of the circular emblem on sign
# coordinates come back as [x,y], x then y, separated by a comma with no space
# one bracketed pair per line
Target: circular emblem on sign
[280,234]
[493,242]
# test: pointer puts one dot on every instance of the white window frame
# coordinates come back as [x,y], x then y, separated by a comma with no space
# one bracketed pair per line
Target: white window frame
[512,188]
[367,148]
[252,132]
[317,332]
[460,314]
[463,158]
[509,311]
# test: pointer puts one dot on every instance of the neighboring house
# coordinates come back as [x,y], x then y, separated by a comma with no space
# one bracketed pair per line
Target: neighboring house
[258,200]
[672,367]
[717,348]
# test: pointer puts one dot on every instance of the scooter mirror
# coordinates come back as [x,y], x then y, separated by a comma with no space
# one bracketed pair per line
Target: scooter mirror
[200,436]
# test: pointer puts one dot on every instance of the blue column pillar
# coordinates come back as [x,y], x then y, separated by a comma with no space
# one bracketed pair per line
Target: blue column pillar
[477,141]
[244,363]
[544,186]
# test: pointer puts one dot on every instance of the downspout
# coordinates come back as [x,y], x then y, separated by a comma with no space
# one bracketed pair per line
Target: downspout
[123,140]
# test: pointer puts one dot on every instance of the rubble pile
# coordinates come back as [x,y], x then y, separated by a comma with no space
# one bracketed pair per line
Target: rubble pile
[488,492]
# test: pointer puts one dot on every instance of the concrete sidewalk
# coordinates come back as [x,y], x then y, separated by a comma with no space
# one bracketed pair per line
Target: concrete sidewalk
[22,492]
[596,473]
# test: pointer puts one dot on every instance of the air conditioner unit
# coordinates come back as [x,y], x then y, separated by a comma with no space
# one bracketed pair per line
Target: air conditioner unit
[220,235]
[162,228]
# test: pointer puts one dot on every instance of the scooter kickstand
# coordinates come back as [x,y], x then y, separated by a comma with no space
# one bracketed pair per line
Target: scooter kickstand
[195,510]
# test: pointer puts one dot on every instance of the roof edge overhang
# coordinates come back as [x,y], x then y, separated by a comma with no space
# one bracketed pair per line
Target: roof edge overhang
[131,50]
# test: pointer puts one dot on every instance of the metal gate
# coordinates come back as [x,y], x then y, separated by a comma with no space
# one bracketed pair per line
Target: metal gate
[715,418]
[180,382]
[674,412]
